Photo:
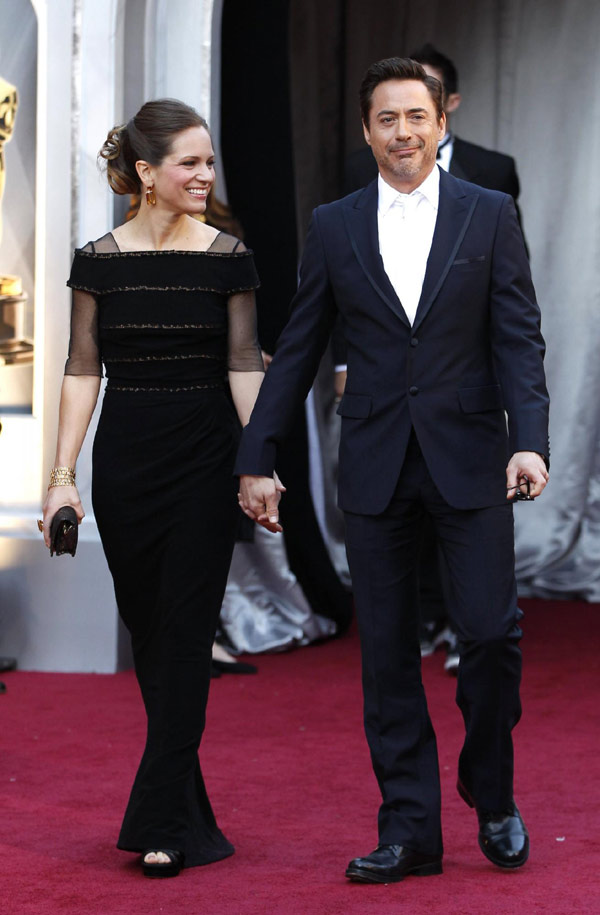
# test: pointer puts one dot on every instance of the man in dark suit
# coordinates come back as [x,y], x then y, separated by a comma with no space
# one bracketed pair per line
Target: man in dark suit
[486,168]
[431,279]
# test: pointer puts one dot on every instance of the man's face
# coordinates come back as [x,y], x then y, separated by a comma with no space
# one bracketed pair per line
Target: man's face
[403,132]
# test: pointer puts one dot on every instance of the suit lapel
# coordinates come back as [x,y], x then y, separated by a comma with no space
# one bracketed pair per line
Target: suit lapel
[361,222]
[454,215]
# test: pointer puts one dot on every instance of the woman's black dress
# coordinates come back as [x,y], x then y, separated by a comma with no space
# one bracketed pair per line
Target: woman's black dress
[167,325]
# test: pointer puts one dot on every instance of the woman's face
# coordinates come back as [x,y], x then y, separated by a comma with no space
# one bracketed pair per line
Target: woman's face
[185,176]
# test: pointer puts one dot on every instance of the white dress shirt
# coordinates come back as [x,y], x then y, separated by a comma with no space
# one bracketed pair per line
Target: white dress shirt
[406,223]
[445,150]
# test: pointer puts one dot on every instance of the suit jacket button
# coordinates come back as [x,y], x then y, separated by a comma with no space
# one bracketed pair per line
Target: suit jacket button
[413,390]
[414,341]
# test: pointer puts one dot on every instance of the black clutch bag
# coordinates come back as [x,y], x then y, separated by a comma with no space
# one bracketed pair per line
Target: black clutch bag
[63,532]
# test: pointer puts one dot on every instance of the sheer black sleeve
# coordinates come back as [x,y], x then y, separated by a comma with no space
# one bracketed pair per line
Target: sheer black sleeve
[84,348]
[244,353]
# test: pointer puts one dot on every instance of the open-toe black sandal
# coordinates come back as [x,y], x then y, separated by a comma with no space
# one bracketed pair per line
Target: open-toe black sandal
[170,868]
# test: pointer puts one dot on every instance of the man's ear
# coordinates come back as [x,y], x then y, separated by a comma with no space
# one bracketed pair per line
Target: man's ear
[452,102]
[442,127]
[144,170]
[366,133]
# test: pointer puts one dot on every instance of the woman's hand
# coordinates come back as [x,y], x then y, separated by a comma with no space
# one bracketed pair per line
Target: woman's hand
[259,499]
[56,498]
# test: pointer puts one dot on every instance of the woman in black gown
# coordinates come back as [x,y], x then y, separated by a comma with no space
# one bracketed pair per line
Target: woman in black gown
[166,303]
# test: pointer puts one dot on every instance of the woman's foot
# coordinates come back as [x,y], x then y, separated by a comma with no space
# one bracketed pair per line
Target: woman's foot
[163,862]
[220,654]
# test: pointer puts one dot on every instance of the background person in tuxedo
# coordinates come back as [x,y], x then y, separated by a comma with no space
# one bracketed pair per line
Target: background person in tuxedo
[486,168]
[431,279]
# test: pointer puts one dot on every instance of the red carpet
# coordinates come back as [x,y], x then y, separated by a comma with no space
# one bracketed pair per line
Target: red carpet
[289,775]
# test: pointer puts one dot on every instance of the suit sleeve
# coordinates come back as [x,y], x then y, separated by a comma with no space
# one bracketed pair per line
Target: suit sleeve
[517,342]
[294,366]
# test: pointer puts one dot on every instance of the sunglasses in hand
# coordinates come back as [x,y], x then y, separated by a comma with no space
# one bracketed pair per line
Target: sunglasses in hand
[519,495]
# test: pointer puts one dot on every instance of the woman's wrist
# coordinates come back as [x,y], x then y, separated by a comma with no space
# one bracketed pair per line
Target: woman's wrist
[62,476]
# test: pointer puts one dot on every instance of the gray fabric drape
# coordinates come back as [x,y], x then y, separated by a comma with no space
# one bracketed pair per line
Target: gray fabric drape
[529,76]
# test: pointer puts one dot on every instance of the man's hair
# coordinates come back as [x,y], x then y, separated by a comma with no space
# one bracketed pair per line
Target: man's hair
[397,68]
[430,55]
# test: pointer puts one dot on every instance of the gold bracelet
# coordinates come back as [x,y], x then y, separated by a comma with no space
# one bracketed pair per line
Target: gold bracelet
[62,476]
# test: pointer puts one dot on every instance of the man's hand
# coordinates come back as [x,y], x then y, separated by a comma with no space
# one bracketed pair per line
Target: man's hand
[259,499]
[528,464]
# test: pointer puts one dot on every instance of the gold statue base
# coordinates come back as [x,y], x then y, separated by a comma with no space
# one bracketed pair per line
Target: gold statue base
[14,346]
[10,285]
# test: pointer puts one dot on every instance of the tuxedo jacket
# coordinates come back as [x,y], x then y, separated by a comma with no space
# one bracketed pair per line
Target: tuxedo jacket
[470,162]
[475,350]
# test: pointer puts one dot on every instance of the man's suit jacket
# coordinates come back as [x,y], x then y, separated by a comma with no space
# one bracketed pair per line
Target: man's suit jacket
[474,351]
[470,162]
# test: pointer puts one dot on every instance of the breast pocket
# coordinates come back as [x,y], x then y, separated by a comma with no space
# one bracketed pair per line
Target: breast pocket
[467,264]
[355,406]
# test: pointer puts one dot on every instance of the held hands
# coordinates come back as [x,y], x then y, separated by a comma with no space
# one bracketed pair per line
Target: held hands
[526,464]
[56,498]
[259,499]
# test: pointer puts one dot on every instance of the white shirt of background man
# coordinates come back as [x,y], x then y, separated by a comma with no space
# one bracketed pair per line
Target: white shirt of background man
[406,223]
[445,150]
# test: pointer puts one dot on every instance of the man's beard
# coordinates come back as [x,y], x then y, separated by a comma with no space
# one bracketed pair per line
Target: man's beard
[406,168]
[401,168]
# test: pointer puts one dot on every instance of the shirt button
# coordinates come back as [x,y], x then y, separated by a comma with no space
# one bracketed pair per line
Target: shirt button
[414,341]
[413,390]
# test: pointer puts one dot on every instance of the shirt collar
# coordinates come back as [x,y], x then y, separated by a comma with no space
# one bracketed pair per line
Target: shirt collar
[429,189]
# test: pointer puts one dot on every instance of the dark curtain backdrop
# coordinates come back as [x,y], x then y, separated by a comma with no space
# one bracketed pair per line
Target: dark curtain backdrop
[257,148]
[258,156]
[529,73]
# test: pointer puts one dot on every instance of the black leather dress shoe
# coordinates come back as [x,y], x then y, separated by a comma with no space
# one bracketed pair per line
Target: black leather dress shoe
[392,863]
[503,836]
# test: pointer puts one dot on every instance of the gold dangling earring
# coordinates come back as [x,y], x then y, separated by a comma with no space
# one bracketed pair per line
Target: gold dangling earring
[150,196]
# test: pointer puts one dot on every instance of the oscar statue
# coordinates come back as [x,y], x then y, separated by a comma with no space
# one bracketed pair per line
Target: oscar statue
[9,285]
[16,352]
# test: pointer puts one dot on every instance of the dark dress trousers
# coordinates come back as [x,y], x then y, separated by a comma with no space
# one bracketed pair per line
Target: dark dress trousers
[424,432]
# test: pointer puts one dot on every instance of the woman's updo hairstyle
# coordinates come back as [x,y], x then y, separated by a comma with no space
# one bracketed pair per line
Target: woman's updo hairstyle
[148,136]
